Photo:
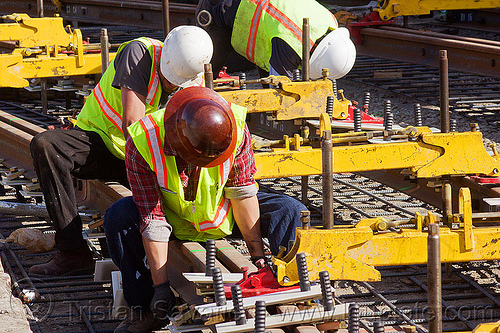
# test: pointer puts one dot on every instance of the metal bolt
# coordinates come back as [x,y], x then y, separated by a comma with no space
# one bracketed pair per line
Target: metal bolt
[387,109]
[354,318]
[239,311]
[366,99]
[417,115]
[329,105]
[334,88]
[242,78]
[305,218]
[389,120]
[296,75]
[378,327]
[453,125]
[210,257]
[305,284]
[220,296]
[260,317]
[326,290]
[357,119]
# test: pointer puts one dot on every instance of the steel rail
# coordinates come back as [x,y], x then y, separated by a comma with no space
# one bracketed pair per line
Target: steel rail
[141,13]
[470,55]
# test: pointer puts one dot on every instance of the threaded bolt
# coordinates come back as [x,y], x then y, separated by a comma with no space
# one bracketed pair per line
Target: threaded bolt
[366,99]
[326,290]
[453,125]
[220,296]
[417,115]
[260,317]
[387,109]
[210,257]
[239,311]
[334,88]
[357,119]
[354,318]
[242,77]
[305,284]
[389,121]
[296,75]
[378,327]
[329,105]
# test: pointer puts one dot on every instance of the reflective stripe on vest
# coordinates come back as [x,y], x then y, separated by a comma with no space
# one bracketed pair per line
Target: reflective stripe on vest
[155,147]
[110,113]
[154,80]
[264,5]
[220,216]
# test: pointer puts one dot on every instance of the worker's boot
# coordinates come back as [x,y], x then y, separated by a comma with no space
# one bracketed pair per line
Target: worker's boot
[140,322]
[74,262]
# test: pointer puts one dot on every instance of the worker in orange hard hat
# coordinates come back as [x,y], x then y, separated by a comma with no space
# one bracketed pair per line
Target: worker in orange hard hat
[140,78]
[190,168]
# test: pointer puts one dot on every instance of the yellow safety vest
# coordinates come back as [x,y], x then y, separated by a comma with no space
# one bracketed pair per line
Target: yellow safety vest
[103,110]
[209,216]
[257,22]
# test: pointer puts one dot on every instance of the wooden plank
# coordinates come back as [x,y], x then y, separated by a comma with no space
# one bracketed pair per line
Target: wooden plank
[232,258]
[291,296]
[306,329]
[299,317]
[198,256]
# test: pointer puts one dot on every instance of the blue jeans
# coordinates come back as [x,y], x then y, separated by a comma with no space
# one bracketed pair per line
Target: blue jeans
[279,216]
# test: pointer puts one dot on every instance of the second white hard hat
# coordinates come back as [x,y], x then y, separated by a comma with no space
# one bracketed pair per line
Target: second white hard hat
[185,52]
[336,52]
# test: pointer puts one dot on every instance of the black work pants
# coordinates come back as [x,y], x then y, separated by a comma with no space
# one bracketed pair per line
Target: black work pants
[58,156]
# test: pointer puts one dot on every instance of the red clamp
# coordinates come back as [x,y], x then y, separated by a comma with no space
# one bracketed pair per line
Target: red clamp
[371,19]
[365,117]
[485,179]
[258,283]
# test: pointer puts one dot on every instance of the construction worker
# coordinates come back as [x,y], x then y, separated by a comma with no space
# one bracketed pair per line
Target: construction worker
[190,168]
[140,78]
[268,33]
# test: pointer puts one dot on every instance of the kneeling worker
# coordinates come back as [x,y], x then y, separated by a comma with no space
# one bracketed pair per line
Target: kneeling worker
[190,168]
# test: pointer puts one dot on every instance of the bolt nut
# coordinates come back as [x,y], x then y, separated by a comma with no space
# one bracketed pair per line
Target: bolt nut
[286,279]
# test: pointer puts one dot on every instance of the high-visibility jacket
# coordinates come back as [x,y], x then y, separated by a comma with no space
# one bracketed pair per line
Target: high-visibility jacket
[103,110]
[257,22]
[209,216]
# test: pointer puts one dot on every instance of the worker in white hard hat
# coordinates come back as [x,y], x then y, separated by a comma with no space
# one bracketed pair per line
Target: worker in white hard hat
[140,78]
[268,33]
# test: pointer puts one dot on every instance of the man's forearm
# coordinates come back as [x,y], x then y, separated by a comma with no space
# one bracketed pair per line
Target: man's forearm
[156,255]
[133,108]
[246,215]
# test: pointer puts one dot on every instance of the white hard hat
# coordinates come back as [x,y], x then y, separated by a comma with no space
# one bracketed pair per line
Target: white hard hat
[336,52]
[185,51]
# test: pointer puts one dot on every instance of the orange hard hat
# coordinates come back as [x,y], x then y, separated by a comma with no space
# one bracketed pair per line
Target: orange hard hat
[200,126]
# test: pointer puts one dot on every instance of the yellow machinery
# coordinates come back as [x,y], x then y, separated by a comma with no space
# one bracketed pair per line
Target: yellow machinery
[389,9]
[43,48]
[350,253]
[290,100]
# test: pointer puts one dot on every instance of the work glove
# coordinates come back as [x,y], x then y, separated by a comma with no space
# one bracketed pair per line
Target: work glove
[163,302]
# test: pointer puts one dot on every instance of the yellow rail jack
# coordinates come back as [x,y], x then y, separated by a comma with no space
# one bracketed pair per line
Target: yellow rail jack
[43,48]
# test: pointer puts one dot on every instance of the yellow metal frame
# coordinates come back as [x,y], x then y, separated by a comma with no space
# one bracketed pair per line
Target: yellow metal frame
[389,9]
[43,49]
[351,253]
[290,100]
[429,155]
